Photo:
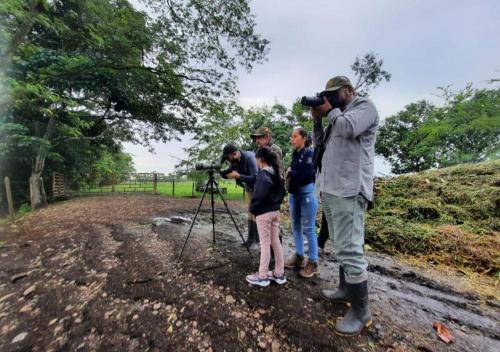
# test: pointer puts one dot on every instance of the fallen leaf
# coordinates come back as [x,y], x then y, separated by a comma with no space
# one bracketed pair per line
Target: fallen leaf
[172,318]
[443,332]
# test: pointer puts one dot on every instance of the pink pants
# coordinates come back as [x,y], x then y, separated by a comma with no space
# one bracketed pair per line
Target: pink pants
[268,225]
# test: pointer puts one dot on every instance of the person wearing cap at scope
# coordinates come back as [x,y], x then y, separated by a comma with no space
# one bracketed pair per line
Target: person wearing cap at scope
[263,137]
[244,170]
[344,161]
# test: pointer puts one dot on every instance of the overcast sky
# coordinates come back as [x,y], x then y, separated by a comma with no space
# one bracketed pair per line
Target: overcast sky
[424,44]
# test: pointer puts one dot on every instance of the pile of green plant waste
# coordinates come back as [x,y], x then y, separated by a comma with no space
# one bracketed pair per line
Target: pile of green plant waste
[448,216]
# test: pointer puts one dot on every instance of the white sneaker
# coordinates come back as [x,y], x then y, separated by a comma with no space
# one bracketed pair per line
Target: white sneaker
[280,280]
[254,279]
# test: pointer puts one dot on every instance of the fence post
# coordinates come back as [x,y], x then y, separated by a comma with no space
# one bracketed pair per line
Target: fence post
[53,196]
[113,179]
[9,198]
[155,183]
[192,191]
[243,192]
[173,187]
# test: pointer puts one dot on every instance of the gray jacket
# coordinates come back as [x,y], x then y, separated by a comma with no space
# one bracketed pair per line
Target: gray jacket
[347,163]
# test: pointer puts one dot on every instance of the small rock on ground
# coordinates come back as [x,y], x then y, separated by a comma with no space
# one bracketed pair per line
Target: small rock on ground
[20,337]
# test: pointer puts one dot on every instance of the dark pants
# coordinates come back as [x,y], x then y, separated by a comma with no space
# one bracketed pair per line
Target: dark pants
[323,232]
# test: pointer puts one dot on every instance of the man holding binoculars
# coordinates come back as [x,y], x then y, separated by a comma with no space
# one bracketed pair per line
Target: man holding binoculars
[344,159]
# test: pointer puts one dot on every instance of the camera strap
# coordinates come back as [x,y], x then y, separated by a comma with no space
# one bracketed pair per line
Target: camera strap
[318,156]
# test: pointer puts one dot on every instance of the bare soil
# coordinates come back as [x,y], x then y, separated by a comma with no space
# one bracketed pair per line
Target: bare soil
[100,274]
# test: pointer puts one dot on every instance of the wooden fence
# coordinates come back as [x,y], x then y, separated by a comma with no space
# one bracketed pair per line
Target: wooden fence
[58,187]
[157,184]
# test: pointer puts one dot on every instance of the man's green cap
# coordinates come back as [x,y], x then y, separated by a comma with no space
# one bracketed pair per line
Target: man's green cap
[336,83]
[261,131]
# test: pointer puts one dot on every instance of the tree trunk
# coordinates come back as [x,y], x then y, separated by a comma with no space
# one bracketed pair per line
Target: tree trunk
[37,193]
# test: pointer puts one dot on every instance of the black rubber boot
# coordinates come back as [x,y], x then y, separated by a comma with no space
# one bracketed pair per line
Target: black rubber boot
[339,295]
[250,235]
[358,316]
[253,235]
[256,238]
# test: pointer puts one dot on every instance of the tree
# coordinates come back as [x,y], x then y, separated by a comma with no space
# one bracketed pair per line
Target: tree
[369,73]
[398,138]
[422,136]
[100,72]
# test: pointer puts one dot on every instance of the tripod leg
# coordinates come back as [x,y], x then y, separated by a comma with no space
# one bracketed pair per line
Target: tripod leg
[192,222]
[231,215]
[213,213]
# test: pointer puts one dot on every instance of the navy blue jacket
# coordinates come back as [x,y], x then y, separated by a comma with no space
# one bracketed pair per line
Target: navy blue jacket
[267,196]
[302,169]
[247,168]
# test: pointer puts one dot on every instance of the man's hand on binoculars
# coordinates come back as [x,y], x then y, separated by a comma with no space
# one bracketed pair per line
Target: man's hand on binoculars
[319,111]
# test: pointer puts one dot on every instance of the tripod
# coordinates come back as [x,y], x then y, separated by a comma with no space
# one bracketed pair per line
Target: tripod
[212,185]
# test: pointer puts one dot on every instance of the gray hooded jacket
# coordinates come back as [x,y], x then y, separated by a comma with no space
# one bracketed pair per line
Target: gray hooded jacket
[347,162]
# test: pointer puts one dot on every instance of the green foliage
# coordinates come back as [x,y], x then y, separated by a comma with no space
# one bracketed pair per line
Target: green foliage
[24,209]
[108,168]
[422,136]
[83,76]
[397,138]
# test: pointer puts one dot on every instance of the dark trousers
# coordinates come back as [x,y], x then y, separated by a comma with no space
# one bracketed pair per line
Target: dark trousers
[323,232]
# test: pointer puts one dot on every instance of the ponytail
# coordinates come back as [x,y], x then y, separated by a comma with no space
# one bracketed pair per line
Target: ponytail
[271,159]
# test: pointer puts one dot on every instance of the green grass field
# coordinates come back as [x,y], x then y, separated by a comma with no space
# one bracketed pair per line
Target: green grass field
[178,189]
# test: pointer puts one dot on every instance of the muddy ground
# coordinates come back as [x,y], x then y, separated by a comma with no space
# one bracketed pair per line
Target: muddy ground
[100,274]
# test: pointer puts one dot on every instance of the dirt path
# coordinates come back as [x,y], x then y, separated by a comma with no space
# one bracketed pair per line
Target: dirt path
[99,274]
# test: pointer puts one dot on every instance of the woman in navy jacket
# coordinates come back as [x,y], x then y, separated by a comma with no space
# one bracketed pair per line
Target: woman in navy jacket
[303,204]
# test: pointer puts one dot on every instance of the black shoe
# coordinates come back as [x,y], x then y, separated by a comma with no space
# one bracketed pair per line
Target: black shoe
[358,316]
[339,295]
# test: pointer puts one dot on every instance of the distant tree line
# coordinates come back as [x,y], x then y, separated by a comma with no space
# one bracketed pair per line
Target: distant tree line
[422,136]
[465,129]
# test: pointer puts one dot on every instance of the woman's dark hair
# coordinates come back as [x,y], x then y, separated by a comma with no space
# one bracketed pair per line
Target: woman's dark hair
[303,133]
[265,153]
